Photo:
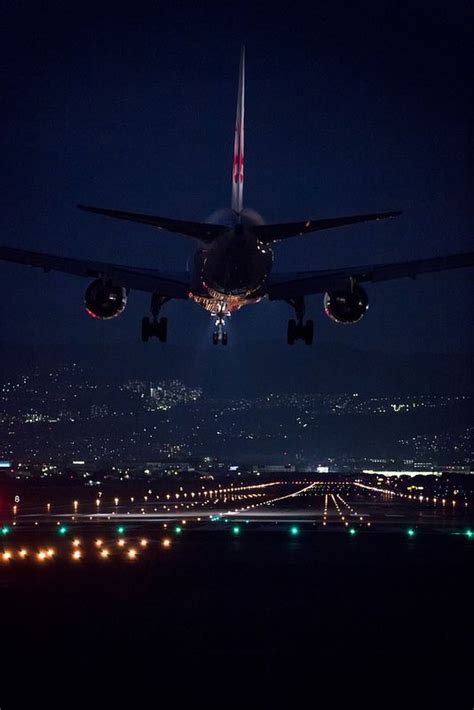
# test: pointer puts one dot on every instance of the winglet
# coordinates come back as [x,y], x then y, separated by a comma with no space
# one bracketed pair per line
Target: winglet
[238,159]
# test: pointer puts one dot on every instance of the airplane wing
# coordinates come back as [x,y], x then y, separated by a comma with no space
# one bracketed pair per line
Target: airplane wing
[305,283]
[274,232]
[172,285]
[198,230]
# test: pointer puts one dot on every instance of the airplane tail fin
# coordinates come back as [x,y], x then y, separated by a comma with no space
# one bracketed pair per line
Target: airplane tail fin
[238,159]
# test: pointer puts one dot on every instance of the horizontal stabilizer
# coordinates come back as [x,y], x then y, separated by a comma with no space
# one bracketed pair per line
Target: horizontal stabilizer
[198,230]
[274,232]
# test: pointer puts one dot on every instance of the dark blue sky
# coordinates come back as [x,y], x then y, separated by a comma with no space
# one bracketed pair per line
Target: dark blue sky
[351,107]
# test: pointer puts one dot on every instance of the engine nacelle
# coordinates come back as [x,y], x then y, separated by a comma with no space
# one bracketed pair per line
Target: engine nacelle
[104,301]
[346,306]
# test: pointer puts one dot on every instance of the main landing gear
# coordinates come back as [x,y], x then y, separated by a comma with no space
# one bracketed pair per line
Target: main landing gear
[298,329]
[154,327]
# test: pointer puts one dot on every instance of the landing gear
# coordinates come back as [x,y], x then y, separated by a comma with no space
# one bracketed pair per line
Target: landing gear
[219,335]
[298,329]
[154,327]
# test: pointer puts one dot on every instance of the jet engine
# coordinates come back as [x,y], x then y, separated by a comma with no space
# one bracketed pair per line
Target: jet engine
[104,301]
[346,306]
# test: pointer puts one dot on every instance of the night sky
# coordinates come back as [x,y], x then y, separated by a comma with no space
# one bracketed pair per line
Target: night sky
[350,107]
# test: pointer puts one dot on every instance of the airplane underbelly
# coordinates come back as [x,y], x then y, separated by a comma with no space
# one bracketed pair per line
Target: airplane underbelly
[235,274]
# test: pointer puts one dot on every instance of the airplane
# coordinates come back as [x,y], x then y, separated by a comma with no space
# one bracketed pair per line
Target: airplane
[232,267]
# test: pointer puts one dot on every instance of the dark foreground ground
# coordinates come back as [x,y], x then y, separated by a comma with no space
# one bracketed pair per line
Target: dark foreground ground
[328,620]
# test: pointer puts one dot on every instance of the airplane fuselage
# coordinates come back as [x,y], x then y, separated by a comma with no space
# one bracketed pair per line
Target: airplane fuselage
[233,270]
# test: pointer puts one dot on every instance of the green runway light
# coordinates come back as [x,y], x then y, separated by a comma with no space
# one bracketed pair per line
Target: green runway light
[352,531]
[410,532]
[236,530]
[178,530]
[62,530]
[469,533]
[5,530]
[294,530]
[121,530]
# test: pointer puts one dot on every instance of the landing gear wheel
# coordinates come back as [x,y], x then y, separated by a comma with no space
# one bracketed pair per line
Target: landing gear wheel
[308,332]
[224,339]
[154,329]
[162,329]
[146,327]
[291,332]
[215,338]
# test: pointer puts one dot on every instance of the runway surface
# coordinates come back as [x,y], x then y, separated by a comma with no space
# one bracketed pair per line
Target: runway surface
[299,585]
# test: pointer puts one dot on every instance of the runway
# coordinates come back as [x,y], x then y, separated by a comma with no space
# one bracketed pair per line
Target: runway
[128,527]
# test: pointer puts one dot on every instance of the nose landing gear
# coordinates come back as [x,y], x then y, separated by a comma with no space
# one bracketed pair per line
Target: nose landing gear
[298,329]
[219,335]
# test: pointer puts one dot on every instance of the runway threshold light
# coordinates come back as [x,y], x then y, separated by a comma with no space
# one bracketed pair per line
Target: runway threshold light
[352,531]
[5,530]
[178,529]
[236,530]
[294,530]
[469,534]
[62,530]
[121,530]
[410,532]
